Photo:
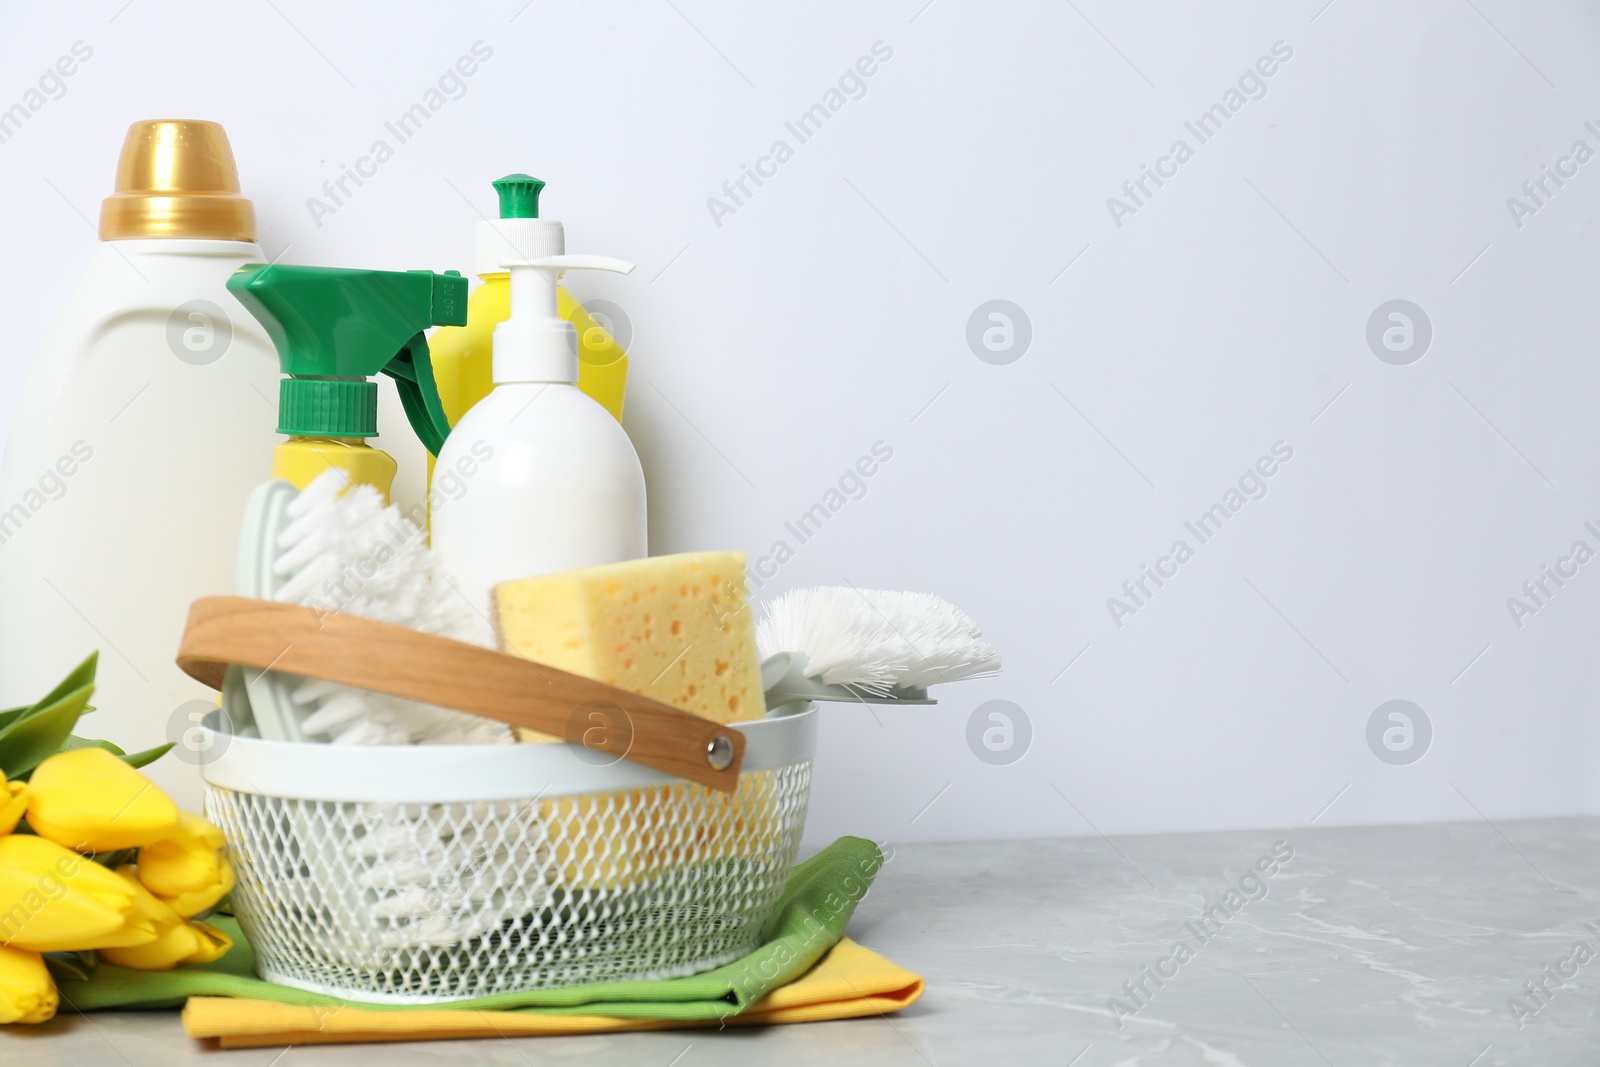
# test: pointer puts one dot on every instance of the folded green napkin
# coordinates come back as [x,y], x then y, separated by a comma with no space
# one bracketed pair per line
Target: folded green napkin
[810,918]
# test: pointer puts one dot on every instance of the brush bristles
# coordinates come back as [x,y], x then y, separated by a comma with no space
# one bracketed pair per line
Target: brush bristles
[876,640]
[346,552]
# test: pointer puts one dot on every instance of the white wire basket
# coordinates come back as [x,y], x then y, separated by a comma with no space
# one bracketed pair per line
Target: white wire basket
[423,874]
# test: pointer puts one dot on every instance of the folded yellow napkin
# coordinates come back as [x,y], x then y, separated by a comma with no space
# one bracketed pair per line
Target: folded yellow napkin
[849,982]
[802,970]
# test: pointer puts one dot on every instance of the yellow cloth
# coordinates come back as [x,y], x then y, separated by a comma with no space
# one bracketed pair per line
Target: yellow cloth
[849,982]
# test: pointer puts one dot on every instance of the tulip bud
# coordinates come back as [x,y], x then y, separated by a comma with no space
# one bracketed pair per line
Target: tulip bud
[13,802]
[178,941]
[89,799]
[186,869]
[54,900]
[27,995]
[213,943]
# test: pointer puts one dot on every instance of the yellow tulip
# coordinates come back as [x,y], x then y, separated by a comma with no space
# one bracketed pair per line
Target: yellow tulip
[186,870]
[54,900]
[88,799]
[184,942]
[27,995]
[178,941]
[214,944]
[13,802]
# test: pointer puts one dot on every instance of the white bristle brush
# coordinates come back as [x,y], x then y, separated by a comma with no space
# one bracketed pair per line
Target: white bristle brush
[339,549]
[872,645]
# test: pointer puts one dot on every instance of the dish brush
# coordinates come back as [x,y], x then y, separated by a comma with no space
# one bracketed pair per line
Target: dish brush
[337,548]
[875,646]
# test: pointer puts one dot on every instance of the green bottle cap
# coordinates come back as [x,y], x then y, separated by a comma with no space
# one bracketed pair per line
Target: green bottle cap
[327,407]
[519,196]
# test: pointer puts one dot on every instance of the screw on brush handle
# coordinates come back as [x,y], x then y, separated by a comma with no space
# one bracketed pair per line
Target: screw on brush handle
[401,662]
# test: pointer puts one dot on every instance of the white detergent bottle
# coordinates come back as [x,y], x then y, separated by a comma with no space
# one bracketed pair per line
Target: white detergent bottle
[536,477]
[146,420]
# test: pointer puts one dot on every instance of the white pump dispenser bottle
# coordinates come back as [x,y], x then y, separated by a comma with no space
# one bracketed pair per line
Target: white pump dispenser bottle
[536,477]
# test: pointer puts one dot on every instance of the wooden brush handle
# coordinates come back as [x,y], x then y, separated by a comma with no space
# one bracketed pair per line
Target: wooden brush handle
[436,670]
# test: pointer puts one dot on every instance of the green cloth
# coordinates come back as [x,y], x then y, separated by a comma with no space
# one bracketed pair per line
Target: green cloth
[809,919]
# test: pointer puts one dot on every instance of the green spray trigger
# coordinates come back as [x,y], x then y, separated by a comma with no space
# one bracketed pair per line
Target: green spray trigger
[337,329]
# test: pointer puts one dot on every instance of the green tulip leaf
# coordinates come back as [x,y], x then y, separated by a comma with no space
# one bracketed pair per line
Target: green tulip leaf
[82,675]
[29,741]
[74,741]
[147,757]
[78,966]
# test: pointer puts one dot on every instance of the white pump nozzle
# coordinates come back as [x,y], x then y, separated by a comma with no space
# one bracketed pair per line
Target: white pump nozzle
[535,344]
[563,263]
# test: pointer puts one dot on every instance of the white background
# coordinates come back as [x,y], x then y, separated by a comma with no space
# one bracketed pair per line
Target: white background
[830,312]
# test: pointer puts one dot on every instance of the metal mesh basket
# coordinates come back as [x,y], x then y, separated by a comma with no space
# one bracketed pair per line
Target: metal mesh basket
[434,873]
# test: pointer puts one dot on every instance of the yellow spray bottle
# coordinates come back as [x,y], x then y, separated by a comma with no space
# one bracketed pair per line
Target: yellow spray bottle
[335,330]
[463,357]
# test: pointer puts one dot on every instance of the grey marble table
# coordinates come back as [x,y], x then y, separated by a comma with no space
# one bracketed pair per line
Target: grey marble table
[1456,945]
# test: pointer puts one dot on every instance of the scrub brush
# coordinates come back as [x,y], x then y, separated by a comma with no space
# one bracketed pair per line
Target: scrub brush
[338,549]
[866,645]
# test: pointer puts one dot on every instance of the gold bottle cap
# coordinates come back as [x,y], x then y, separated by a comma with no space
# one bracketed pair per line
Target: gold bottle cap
[176,178]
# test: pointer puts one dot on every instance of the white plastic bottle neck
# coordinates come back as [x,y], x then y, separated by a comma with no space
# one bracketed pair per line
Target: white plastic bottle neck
[535,344]
[193,247]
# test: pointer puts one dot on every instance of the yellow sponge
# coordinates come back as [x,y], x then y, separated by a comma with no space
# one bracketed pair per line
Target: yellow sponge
[674,628]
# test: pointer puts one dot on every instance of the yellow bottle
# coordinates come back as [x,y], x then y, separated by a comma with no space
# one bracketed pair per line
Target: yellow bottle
[299,460]
[463,356]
